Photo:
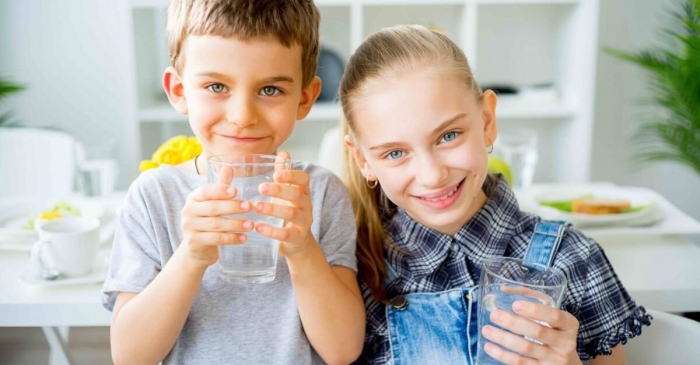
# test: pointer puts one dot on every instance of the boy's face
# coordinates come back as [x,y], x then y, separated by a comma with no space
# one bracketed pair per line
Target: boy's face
[424,136]
[241,96]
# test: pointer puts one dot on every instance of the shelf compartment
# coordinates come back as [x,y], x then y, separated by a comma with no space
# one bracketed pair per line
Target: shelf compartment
[446,16]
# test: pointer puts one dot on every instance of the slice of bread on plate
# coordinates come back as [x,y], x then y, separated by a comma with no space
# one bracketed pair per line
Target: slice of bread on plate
[600,206]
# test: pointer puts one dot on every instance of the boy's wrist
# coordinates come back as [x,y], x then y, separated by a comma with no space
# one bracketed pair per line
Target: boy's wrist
[306,260]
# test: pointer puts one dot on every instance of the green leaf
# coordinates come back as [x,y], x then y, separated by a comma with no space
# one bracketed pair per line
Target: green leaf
[674,81]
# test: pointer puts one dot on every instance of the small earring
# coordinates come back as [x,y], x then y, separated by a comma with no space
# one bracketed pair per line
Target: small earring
[372,184]
[491,150]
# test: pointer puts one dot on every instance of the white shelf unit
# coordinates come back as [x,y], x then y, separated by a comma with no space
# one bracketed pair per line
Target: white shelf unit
[521,43]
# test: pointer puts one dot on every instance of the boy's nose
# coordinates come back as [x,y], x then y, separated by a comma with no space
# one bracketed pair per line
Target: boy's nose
[430,172]
[241,112]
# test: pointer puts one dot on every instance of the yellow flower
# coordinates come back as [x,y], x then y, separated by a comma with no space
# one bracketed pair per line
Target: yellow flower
[172,152]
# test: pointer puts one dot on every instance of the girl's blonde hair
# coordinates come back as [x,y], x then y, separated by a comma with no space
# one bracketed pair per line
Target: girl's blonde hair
[387,54]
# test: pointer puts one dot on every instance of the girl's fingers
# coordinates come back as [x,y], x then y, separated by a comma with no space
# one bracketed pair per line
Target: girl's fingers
[541,297]
[507,357]
[277,233]
[556,318]
[514,342]
[289,193]
[524,326]
[225,175]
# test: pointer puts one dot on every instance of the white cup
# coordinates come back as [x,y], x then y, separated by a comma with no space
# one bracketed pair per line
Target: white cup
[67,245]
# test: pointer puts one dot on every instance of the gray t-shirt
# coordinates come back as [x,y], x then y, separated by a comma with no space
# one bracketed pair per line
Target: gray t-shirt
[228,323]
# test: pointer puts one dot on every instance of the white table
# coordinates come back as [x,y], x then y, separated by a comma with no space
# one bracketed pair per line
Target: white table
[636,255]
[54,308]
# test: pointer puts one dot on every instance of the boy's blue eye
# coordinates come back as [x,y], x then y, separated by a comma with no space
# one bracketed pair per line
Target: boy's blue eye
[269,91]
[449,136]
[217,88]
[393,155]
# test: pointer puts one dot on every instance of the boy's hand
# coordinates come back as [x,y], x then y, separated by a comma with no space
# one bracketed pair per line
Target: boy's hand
[204,225]
[558,342]
[293,205]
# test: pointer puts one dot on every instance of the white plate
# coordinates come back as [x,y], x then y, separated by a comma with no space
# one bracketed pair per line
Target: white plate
[636,196]
[16,214]
[98,275]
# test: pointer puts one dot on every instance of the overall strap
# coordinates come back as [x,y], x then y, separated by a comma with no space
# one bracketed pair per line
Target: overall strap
[544,243]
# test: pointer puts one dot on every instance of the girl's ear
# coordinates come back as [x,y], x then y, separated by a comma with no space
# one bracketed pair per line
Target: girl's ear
[357,155]
[488,116]
[172,83]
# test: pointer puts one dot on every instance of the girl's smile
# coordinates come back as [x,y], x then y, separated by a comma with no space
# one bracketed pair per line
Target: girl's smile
[443,199]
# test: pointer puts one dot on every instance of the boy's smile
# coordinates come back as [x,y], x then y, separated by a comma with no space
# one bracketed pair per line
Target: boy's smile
[242,96]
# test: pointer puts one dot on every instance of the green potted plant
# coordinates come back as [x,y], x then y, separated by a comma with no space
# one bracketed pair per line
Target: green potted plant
[7,88]
[674,79]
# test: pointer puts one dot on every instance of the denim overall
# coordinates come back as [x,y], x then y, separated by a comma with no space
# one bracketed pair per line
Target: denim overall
[441,328]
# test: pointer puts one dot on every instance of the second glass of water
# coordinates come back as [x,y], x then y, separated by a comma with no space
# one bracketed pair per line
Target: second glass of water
[254,261]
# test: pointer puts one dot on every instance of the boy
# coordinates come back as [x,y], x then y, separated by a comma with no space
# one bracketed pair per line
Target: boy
[243,71]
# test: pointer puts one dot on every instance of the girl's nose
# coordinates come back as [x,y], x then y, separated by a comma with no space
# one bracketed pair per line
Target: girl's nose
[430,171]
[241,111]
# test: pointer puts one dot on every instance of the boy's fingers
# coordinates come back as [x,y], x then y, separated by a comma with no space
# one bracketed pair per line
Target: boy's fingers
[213,192]
[289,193]
[220,238]
[215,208]
[294,177]
[225,175]
[285,212]
[219,224]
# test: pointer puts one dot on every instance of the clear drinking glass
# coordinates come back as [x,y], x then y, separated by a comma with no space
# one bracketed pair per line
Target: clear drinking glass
[518,148]
[254,261]
[505,280]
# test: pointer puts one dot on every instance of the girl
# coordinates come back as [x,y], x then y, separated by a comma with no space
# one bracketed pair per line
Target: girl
[418,129]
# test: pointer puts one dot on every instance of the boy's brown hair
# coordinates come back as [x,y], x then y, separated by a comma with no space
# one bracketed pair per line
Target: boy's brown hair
[288,21]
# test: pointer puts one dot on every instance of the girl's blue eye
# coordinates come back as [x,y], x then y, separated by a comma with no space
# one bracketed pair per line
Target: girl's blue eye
[393,155]
[217,88]
[449,136]
[269,91]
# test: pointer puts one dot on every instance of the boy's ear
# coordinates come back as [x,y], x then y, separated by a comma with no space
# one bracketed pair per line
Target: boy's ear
[357,155]
[488,115]
[309,94]
[172,83]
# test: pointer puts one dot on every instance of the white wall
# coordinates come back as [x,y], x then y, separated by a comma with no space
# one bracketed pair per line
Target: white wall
[632,25]
[75,58]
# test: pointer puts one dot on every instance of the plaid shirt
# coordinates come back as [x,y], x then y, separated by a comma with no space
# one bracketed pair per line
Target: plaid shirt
[428,261]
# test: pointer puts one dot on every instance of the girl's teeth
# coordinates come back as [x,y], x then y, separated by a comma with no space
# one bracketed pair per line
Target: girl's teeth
[444,196]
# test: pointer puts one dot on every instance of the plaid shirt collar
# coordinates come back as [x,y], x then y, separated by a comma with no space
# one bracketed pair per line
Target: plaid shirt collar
[418,251]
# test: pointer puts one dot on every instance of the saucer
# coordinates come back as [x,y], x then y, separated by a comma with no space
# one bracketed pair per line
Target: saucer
[97,275]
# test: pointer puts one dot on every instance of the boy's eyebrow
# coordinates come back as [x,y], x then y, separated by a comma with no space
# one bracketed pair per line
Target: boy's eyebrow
[273,79]
[439,128]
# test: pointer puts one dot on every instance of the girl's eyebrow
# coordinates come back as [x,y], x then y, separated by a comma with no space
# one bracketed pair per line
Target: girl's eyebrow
[437,130]
[447,123]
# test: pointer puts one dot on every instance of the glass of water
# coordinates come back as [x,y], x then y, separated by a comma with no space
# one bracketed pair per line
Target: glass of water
[518,148]
[506,280]
[254,261]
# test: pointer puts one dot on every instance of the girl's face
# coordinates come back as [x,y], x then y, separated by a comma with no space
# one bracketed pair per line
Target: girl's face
[424,136]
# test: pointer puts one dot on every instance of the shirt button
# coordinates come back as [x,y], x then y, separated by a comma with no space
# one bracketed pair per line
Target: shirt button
[454,247]
[399,303]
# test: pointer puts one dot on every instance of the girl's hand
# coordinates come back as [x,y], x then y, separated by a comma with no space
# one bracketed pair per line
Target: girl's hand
[558,342]
[292,203]
[204,225]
